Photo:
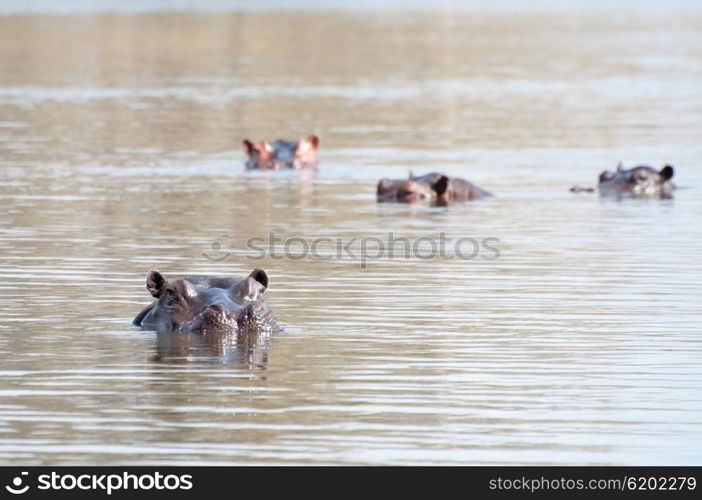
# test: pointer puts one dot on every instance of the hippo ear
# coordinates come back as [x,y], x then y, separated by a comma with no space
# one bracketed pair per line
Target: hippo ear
[253,286]
[260,276]
[384,185]
[620,166]
[307,144]
[155,283]
[441,186]
[247,146]
[314,140]
[605,176]
[667,172]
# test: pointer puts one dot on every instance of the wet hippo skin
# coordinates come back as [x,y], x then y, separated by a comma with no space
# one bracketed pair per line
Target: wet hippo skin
[205,304]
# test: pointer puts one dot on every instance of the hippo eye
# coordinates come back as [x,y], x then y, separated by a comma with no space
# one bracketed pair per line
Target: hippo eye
[171,297]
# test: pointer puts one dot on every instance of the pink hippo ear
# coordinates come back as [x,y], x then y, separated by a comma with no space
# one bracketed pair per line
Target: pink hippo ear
[262,148]
[155,283]
[253,286]
[311,143]
[260,275]
[247,146]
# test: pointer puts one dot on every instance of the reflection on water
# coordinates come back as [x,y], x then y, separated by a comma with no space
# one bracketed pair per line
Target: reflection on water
[247,349]
[120,152]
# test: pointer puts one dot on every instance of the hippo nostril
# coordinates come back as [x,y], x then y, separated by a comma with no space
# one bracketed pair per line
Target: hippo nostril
[216,308]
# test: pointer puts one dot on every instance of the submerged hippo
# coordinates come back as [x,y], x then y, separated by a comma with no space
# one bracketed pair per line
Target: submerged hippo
[282,154]
[637,182]
[205,304]
[434,187]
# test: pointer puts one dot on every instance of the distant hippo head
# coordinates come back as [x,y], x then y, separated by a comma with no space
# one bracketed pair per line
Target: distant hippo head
[637,182]
[203,304]
[434,188]
[412,190]
[282,154]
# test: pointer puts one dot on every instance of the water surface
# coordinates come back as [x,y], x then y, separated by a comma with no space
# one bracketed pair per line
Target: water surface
[120,138]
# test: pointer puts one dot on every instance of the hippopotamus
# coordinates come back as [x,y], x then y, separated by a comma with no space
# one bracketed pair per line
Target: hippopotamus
[282,154]
[206,304]
[637,182]
[434,188]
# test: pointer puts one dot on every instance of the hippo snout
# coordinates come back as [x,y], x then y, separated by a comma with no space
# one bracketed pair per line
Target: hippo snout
[215,317]
[216,311]
[218,317]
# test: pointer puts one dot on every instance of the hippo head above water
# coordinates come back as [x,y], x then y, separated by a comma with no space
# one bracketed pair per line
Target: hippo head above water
[282,154]
[637,182]
[205,304]
[433,188]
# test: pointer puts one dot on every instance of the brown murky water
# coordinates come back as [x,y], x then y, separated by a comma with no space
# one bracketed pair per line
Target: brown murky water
[119,152]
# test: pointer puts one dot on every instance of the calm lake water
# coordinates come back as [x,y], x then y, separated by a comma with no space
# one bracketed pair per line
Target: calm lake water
[120,135]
